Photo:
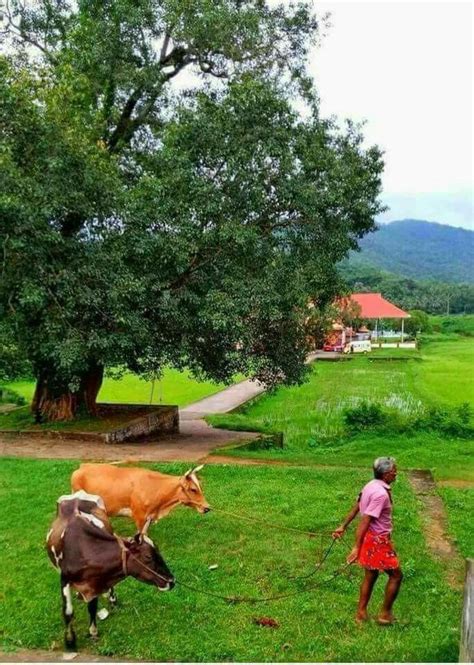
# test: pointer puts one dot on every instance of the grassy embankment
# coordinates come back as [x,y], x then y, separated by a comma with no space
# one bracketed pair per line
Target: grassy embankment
[252,560]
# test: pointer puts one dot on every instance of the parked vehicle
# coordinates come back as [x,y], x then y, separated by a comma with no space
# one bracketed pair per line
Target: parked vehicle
[338,346]
[358,346]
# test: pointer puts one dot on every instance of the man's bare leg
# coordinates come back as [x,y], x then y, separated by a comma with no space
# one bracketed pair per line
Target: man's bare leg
[395,577]
[366,589]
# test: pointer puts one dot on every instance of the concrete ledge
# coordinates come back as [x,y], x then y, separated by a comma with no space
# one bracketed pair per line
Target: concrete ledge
[155,420]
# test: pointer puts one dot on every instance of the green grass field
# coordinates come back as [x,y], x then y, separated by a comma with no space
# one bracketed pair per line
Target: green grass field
[175,387]
[311,416]
[252,560]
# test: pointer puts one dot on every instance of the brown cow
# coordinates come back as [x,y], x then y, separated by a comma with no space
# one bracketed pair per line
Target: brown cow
[92,559]
[144,495]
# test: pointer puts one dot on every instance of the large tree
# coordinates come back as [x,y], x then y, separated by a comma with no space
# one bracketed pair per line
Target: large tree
[144,223]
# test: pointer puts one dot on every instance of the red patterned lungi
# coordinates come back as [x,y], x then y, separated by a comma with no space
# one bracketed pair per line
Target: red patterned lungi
[377,553]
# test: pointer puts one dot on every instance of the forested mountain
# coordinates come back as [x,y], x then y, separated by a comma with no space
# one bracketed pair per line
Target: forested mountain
[420,250]
[416,265]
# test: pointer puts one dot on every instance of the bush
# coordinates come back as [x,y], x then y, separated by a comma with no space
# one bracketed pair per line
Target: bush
[8,396]
[454,422]
[363,416]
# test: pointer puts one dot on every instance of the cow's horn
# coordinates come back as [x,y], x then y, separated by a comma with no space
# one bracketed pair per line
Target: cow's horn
[188,472]
[198,468]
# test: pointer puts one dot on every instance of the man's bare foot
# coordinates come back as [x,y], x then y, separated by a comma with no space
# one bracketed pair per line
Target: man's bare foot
[386,619]
[361,617]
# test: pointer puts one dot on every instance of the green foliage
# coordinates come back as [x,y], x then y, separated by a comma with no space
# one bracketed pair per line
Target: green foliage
[430,296]
[363,416]
[11,397]
[461,325]
[144,227]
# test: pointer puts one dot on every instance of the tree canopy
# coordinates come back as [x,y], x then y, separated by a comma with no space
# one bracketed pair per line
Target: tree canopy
[144,223]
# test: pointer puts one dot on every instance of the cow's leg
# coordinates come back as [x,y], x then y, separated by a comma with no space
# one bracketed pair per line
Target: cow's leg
[112,596]
[68,615]
[92,607]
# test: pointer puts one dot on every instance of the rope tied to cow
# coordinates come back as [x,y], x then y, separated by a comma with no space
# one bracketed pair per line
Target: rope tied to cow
[280,527]
[234,600]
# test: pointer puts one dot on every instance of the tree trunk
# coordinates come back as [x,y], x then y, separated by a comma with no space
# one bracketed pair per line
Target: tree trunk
[53,402]
[89,388]
[50,402]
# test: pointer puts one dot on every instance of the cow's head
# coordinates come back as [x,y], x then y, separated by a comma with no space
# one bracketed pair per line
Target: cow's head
[191,492]
[146,563]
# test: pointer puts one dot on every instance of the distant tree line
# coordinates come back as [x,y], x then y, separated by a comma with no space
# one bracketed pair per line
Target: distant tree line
[430,296]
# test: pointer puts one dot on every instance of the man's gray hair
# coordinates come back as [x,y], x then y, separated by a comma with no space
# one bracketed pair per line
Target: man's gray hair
[383,465]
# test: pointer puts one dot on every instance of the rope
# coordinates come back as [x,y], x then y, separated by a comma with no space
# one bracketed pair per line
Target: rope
[253,599]
[311,534]
[263,599]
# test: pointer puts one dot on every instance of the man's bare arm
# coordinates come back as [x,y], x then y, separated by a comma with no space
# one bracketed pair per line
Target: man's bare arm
[360,533]
[341,529]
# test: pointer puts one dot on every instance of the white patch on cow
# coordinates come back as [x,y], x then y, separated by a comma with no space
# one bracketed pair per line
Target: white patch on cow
[93,519]
[57,557]
[48,534]
[102,614]
[62,533]
[83,496]
[124,512]
[68,597]
[148,540]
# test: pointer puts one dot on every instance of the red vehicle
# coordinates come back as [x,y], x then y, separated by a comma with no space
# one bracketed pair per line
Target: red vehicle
[333,346]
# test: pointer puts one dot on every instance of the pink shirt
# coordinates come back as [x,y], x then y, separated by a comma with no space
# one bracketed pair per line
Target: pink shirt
[375,500]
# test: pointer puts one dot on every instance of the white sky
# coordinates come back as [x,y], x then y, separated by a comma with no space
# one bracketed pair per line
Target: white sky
[406,68]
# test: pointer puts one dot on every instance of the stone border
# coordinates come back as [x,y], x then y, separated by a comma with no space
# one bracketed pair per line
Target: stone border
[160,419]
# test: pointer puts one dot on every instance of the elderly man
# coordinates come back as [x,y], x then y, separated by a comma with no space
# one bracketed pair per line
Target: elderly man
[373,549]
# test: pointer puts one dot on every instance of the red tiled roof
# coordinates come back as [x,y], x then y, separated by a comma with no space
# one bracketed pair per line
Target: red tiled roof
[373,306]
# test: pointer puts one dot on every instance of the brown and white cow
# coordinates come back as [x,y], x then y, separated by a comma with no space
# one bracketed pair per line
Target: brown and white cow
[144,495]
[91,559]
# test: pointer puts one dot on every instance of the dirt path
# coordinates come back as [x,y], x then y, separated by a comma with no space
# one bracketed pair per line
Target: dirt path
[195,441]
[44,656]
[435,526]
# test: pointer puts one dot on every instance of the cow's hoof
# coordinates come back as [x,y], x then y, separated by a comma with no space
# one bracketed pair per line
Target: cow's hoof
[70,645]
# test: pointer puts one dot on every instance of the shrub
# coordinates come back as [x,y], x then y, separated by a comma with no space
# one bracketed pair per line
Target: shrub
[363,416]
[8,396]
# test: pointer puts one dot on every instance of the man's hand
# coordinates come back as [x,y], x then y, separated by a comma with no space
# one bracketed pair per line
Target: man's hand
[353,555]
[339,532]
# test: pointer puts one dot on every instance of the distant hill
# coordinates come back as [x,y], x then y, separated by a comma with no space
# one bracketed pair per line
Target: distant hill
[420,250]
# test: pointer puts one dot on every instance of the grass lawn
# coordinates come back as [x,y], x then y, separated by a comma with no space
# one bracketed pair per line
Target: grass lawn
[311,415]
[175,387]
[460,505]
[252,560]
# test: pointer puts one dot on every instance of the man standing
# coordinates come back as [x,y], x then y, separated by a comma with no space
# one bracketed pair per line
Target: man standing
[373,549]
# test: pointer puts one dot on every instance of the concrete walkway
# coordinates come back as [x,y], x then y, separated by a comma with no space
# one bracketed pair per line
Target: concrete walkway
[223,402]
